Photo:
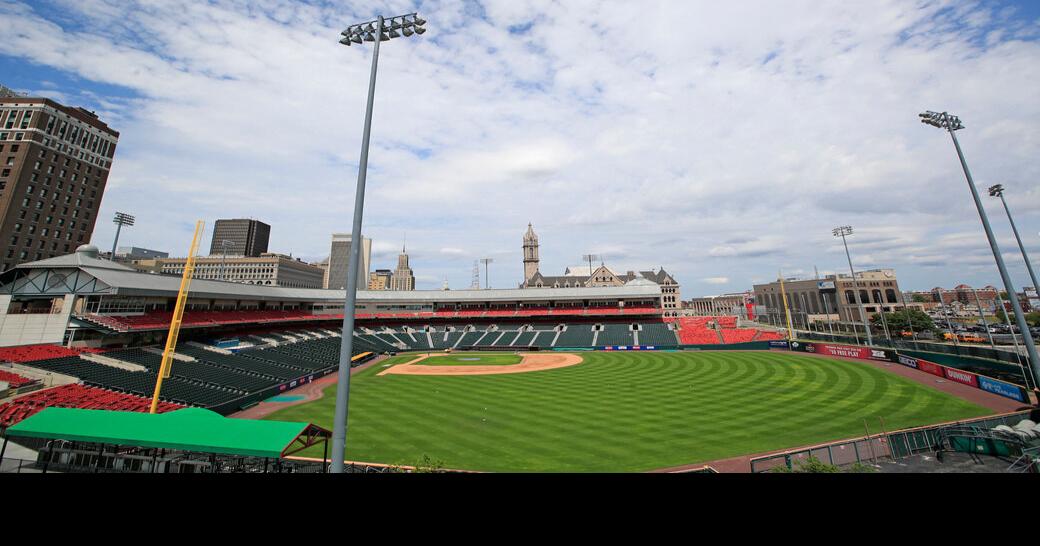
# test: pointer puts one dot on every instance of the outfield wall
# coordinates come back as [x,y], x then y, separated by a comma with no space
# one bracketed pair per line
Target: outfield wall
[950,373]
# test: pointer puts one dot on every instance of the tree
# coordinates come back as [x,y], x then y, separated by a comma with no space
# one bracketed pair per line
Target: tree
[920,298]
[1002,315]
[1033,318]
[897,321]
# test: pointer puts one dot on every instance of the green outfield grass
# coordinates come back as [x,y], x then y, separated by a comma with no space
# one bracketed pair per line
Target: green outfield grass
[471,359]
[625,411]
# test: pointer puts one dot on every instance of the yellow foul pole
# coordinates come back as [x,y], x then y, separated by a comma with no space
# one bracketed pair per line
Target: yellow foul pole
[178,314]
[787,312]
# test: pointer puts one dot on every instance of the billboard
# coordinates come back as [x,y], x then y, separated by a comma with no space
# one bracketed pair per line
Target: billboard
[962,376]
[1002,388]
[825,285]
[846,351]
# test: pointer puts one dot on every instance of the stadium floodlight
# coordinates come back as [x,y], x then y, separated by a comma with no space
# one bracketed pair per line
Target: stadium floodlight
[339,431]
[589,258]
[952,124]
[998,191]
[486,261]
[224,244]
[121,219]
[844,231]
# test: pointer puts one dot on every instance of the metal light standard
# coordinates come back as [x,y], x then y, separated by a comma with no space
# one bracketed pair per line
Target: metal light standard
[998,191]
[909,319]
[949,326]
[224,244]
[1014,339]
[952,124]
[486,261]
[978,303]
[884,321]
[121,219]
[843,231]
[589,258]
[373,31]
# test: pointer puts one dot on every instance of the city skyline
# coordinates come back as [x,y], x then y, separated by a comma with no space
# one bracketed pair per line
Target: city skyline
[726,203]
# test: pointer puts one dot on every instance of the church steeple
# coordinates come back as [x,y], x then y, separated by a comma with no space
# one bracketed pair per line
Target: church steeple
[530,253]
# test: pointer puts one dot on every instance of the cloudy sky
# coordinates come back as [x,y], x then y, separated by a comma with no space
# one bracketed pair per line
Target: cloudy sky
[721,140]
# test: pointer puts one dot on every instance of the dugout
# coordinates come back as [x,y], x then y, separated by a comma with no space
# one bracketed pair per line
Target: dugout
[190,440]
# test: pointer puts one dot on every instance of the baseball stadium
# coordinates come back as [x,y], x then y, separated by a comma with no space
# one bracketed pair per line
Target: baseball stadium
[108,369]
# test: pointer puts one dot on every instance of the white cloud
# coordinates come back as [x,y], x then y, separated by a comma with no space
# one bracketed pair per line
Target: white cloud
[716,280]
[684,148]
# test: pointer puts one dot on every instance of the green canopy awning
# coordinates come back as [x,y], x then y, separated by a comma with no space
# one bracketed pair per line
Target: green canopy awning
[189,429]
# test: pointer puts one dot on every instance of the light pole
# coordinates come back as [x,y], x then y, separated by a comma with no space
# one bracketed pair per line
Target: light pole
[121,219]
[978,303]
[224,244]
[486,261]
[998,191]
[1014,340]
[909,319]
[881,311]
[372,31]
[952,124]
[949,326]
[590,258]
[843,231]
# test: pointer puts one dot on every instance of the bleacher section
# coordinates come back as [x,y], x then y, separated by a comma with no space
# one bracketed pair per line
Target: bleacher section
[14,380]
[694,331]
[29,353]
[656,333]
[576,335]
[214,379]
[615,334]
[75,396]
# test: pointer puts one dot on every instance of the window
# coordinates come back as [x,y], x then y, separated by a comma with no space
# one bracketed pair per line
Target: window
[18,227]
[10,161]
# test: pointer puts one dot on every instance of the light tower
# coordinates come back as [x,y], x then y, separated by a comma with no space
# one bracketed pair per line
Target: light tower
[377,31]
[121,219]
[843,231]
[951,124]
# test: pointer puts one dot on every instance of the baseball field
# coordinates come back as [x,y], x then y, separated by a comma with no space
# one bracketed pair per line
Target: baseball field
[616,412]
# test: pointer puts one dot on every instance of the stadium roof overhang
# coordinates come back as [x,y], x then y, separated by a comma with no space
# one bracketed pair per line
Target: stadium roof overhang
[84,275]
[190,429]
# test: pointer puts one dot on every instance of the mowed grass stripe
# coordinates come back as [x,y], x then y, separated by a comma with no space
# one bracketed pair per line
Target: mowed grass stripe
[625,411]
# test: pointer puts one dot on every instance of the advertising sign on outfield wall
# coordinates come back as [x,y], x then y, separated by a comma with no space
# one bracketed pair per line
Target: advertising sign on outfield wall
[962,376]
[1002,388]
[778,345]
[630,348]
[847,351]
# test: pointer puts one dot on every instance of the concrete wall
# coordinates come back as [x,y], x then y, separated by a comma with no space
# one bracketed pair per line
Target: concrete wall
[31,329]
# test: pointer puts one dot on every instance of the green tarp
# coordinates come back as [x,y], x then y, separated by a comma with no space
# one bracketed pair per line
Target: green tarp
[189,429]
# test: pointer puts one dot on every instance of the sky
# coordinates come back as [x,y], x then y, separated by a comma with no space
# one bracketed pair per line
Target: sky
[722,141]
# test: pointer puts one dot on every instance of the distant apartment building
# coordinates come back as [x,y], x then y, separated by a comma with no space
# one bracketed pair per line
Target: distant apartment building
[339,260]
[961,294]
[380,279]
[268,269]
[833,296]
[54,165]
[245,237]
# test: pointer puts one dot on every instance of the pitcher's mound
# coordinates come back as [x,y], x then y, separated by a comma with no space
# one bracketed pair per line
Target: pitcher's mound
[530,362]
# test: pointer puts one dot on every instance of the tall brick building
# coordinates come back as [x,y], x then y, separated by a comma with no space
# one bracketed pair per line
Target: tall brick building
[248,237]
[54,165]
